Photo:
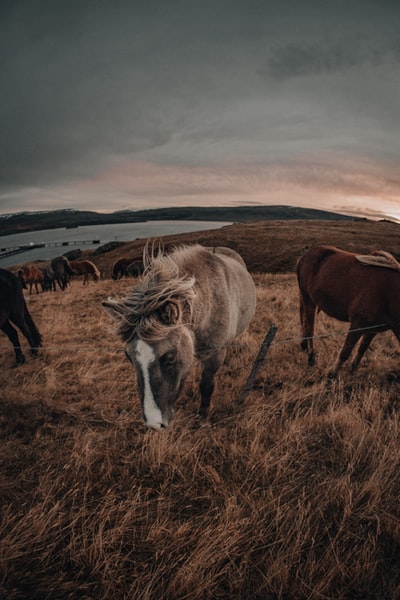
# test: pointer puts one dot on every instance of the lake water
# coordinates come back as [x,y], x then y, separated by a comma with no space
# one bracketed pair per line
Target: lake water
[93,236]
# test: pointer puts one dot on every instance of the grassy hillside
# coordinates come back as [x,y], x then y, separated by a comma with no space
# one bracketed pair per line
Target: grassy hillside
[275,246]
[292,494]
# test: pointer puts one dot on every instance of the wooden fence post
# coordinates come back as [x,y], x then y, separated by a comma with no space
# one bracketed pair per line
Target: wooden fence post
[257,363]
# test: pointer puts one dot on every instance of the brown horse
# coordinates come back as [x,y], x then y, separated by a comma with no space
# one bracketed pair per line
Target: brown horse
[14,311]
[120,267]
[85,268]
[189,305]
[33,276]
[361,289]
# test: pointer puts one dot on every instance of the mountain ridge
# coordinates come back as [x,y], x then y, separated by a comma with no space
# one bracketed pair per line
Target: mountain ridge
[39,220]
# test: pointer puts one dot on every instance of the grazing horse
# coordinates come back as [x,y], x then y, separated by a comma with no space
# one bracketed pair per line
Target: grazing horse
[361,289]
[120,267]
[135,268]
[31,275]
[48,283]
[13,310]
[85,268]
[189,305]
[60,271]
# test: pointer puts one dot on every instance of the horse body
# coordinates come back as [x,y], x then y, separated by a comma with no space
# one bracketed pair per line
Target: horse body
[189,305]
[32,275]
[120,267]
[59,270]
[358,289]
[85,268]
[135,268]
[48,283]
[13,310]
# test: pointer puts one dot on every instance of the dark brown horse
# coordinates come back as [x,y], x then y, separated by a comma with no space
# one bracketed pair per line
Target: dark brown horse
[60,271]
[135,268]
[48,283]
[85,268]
[32,275]
[14,311]
[120,267]
[361,289]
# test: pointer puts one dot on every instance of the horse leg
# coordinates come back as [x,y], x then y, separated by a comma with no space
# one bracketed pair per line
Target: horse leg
[307,318]
[352,337]
[207,384]
[12,335]
[28,328]
[363,347]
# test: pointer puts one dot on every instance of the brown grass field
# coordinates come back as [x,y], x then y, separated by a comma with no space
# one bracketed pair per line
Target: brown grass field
[292,495]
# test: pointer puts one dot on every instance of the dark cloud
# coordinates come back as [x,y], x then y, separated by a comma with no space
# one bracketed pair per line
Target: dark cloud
[87,85]
[321,57]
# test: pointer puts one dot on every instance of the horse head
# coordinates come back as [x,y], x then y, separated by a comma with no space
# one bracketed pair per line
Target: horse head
[161,349]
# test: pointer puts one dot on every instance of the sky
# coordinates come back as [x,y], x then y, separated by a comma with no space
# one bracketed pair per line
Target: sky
[112,105]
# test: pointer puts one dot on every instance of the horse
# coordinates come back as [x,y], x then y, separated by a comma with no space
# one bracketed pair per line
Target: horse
[361,289]
[85,268]
[189,304]
[59,270]
[32,275]
[135,268]
[120,267]
[48,283]
[14,311]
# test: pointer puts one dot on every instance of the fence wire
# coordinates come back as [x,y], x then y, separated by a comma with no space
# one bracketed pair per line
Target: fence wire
[276,342]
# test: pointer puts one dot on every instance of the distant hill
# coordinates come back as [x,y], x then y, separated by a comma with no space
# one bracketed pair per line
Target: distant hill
[33,221]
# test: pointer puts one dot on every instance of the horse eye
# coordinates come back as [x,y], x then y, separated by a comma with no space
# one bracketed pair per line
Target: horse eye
[168,359]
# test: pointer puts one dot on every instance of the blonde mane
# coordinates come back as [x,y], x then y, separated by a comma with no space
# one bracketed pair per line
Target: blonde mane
[161,300]
[379,258]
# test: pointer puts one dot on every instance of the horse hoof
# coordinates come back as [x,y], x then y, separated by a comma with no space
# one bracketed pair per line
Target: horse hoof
[201,420]
[20,360]
[311,360]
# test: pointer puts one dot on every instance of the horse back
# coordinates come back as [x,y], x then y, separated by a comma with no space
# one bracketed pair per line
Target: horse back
[225,292]
[225,251]
[337,283]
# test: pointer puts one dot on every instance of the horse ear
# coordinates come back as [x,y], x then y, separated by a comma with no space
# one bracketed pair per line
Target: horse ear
[113,308]
[170,313]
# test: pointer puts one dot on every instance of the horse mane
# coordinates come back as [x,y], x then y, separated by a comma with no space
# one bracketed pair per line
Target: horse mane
[94,267]
[162,298]
[379,258]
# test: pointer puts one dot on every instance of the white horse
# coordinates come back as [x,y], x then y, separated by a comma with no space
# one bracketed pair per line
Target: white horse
[190,304]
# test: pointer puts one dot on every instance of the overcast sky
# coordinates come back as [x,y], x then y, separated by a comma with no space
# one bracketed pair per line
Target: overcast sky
[107,105]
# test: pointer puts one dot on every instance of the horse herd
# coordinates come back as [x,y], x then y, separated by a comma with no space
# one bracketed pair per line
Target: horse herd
[189,305]
[58,271]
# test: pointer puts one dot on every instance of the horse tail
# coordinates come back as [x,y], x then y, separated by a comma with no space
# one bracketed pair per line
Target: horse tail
[67,266]
[36,336]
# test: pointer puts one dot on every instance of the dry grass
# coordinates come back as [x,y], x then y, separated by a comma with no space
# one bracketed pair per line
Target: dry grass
[292,495]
